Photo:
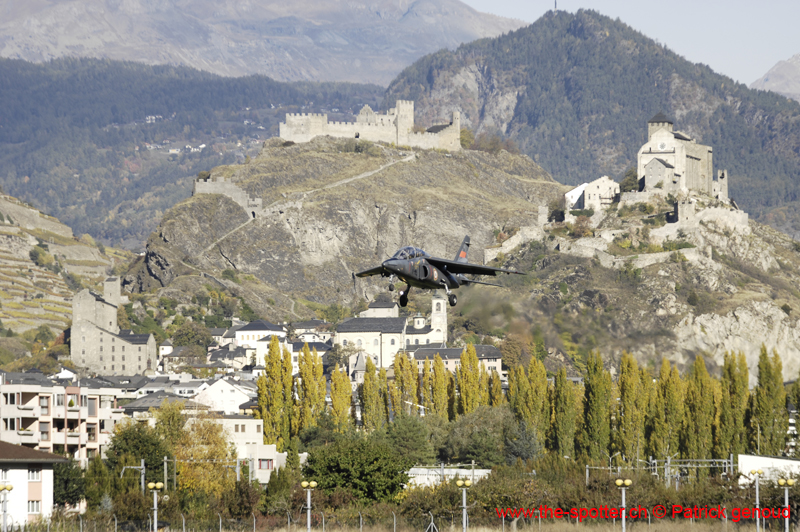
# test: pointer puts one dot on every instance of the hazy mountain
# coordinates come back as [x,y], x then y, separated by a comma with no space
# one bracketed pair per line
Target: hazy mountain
[576,90]
[783,78]
[335,40]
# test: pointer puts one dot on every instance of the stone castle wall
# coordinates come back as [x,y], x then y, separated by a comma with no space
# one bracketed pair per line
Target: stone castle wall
[231,190]
[394,127]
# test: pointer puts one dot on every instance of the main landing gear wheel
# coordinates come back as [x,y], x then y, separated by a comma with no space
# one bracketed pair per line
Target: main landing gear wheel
[391,287]
[403,300]
[452,299]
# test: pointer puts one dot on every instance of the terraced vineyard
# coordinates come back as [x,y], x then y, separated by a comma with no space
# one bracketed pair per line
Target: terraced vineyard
[42,264]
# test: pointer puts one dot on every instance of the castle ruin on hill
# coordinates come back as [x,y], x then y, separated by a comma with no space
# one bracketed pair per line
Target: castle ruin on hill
[395,127]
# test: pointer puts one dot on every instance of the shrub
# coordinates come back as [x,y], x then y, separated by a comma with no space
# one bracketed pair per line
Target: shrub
[786,308]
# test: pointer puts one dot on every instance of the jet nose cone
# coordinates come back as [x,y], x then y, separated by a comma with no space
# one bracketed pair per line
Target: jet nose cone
[392,265]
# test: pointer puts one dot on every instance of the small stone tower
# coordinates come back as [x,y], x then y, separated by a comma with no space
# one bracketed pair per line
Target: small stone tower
[660,121]
[722,185]
[111,291]
[405,119]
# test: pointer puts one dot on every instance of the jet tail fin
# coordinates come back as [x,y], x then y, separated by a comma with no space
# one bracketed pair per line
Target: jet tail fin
[461,256]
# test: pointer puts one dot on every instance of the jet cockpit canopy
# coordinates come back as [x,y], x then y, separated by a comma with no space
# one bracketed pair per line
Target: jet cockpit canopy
[409,252]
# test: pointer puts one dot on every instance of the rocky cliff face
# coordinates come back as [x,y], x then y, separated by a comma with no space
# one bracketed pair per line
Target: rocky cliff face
[328,212]
[301,40]
[783,78]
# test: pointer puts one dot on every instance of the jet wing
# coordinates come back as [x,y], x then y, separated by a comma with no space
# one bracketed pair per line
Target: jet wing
[377,270]
[461,267]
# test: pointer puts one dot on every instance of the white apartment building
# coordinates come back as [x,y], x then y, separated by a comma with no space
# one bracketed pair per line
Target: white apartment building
[246,434]
[30,475]
[58,417]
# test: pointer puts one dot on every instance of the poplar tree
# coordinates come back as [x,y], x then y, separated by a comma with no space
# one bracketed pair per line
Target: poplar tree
[539,392]
[768,419]
[563,416]
[341,395]
[697,439]
[731,436]
[308,396]
[483,384]
[289,420]
[439,387]
[468,374]
[383,384]
[406,378]
[452,403]
[372,408]
[270,395]
[629,437]
[426,389]
[496,397]
[596,430]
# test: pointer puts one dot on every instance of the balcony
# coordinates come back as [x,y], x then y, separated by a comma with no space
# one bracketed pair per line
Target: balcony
[25,407]
[27,436]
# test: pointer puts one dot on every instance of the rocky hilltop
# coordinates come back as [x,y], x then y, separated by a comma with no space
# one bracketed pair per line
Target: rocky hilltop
[297,220]
[286,230]
[301,40]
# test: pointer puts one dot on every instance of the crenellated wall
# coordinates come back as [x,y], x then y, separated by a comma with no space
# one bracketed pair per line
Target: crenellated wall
[394,127]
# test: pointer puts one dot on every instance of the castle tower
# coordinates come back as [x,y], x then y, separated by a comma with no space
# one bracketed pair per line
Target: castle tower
[660,121]
[404,121]
[111,291]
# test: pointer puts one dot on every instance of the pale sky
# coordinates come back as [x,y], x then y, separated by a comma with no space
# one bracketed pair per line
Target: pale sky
[740,39]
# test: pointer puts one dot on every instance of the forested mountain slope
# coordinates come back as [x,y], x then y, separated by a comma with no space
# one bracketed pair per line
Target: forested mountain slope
[75,139]
[576,90]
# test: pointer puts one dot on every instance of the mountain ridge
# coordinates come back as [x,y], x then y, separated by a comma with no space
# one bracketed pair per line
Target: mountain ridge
[304,40]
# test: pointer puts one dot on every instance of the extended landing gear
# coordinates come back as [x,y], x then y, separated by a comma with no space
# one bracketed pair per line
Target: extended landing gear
[404,297]
[452,299]
[391,287]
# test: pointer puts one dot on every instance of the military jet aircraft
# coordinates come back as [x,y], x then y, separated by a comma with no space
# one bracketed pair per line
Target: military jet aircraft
[416,268]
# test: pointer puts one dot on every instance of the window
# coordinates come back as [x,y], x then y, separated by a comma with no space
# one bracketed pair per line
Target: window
[392,341]
[10,423]
[140,349]
[416,341]
[344,342]
[34,507]
[123,367]
[358,343]
[60,399]
[93,406]
[34,475]
[112,340]
[84,401]
[236,428]
[438,307]
[44,404]
[3,474]
[91,453]
[83,338]
[113,358]
[83,351]
[140,358]
[113,349]
[101,348]
[408,341]
[375,342]
[101,359]
[123,348]
[258,428]
[91,432]
[112,367]
[11,398]
[265,464]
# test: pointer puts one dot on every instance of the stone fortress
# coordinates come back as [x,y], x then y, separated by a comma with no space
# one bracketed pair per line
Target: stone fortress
[670,163]
[395,127]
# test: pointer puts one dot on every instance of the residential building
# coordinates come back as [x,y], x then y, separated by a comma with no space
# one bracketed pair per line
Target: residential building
[225,395]
[58,416]
[30,474]
[489,357]
[248,335]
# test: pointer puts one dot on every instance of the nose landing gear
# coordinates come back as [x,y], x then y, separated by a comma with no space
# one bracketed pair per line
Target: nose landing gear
[404,296]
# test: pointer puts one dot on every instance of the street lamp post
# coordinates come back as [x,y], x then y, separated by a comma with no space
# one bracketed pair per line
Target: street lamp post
[786,484]
[464,484]
[154,488]
[623,485]
[757,474]
[5,488]
[309,487]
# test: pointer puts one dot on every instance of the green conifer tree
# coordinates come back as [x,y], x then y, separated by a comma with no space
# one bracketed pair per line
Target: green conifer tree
[629,436]
[597,398]
[564,416]
[768,419]
[496,397]
[372,409]
[270,395]
[697,441]
[425,395]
